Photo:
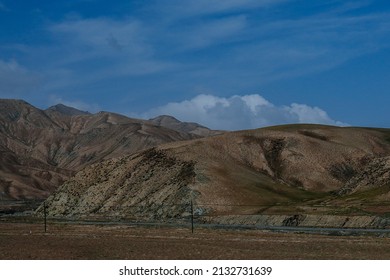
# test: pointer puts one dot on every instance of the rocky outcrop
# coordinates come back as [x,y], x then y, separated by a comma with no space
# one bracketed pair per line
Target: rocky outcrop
[375,174]
[149,185]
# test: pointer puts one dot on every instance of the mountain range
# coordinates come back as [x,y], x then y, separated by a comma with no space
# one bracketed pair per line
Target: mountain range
[110,164]
[41,149]
[310,169]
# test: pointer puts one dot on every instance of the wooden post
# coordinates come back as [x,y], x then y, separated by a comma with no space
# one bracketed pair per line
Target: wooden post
[45,215]
[192,217]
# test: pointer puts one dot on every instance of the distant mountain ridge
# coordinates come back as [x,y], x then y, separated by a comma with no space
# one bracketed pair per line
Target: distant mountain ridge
[40,149]
[188,127]
[114,162]
[66,110]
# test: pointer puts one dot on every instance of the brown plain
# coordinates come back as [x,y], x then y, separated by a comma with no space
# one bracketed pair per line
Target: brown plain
[72,242]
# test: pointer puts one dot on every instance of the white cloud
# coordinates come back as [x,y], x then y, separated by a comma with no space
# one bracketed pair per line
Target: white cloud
[166,47]
[307,114]
[241,112]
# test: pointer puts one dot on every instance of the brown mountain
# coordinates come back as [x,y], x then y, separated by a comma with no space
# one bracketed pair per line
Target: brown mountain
[294,169]
[40,149]
[66,110]
[188,127]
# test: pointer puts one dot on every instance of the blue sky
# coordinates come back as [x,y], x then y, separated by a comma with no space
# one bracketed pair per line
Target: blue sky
[228,64]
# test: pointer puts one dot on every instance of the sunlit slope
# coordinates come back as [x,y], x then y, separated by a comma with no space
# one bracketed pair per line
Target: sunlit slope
[40,149]
[283,168]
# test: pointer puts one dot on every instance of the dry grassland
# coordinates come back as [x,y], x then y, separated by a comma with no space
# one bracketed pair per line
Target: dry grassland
[28,241]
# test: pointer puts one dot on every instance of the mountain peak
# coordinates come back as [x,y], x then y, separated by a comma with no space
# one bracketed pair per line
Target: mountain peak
[160,120]
[188,127]
[66,110]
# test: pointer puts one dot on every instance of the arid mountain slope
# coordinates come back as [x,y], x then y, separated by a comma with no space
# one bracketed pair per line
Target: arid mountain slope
[188,127]
[40,149]
[65,110]
[286,167]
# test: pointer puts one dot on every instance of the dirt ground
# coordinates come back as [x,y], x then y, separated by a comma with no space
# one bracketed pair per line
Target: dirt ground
[23,241]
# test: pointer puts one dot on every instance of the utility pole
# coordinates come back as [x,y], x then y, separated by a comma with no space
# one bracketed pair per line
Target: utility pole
[45,215]
[192,217]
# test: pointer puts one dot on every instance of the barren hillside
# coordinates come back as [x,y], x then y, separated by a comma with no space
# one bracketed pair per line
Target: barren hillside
[301,168]
[40,149]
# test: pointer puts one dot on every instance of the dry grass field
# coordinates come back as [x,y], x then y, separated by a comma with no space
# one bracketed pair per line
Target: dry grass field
[23,241]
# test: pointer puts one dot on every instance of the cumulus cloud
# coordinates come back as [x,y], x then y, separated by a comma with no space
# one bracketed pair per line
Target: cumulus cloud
[241,112]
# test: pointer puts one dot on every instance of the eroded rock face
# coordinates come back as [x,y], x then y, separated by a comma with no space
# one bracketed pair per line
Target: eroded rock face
[375,174]
[148,185]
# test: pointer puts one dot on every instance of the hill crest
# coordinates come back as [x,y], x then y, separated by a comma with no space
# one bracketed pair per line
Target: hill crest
[66,110]
[188,127]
